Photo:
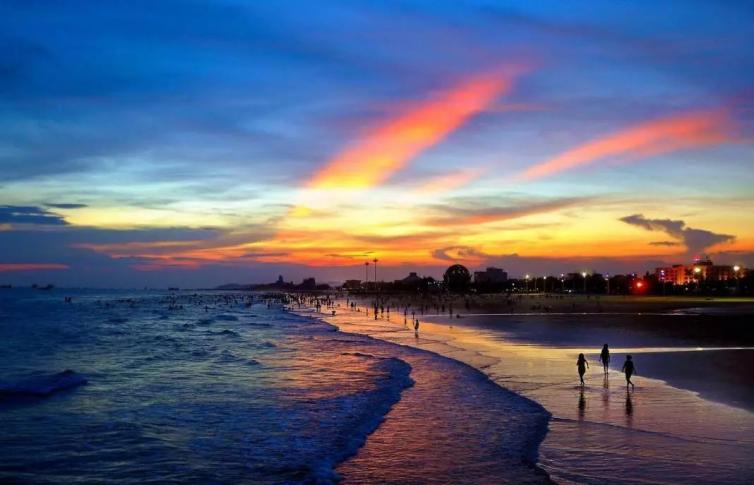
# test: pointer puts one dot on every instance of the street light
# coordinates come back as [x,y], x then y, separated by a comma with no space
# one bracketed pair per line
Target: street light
[736,269]
[607,279]
[366,273]
[583,275]
[662,277]
[526,277]
[697,271]
[562,282]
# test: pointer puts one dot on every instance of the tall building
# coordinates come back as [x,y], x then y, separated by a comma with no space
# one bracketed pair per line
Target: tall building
[702,269]
[490,275]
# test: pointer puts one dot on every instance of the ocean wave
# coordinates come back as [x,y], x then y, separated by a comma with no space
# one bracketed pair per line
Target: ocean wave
[228,333]
[357,415]
[227,318]
[44,385]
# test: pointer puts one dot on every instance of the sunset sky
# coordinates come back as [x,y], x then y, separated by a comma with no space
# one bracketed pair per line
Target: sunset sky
[197,143]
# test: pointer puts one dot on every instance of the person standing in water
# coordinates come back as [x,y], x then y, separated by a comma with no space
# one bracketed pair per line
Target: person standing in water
[629,369]
[582,364]
[605,359]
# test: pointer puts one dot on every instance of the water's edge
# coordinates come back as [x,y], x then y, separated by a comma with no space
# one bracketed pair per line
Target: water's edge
[530,456]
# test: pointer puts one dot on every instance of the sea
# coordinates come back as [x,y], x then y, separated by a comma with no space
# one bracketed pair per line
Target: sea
[153,386]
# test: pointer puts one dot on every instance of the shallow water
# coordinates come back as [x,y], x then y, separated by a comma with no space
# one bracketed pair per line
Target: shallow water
[205,388]
[656,434]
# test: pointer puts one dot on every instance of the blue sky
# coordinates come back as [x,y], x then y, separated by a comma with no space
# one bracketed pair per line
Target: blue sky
[201,122]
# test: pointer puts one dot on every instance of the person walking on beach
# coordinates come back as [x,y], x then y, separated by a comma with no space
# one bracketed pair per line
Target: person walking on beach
[582,364]
[629,369]
[605,359]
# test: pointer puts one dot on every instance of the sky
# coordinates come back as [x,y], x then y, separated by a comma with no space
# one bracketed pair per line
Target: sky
[182,143]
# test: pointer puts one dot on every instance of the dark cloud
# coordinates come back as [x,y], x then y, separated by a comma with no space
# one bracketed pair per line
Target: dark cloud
[695,240]
[465,213]
[17,214]
[665,243]
[66,206]
[455,253]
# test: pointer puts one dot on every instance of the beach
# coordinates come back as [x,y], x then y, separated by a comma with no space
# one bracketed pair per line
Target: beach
[682,423]
[124,386]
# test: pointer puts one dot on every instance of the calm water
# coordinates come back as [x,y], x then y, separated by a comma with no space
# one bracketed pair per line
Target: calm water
[210,388]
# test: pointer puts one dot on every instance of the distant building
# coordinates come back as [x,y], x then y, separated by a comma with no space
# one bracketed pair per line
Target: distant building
[308,284]
[411,279]
[700,270]
[491,275]
[352,285]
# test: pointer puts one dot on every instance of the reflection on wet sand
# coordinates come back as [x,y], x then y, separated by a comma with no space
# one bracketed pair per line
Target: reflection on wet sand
[658,432]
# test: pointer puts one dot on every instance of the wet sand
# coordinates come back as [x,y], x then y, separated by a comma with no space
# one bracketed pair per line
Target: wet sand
[659,433]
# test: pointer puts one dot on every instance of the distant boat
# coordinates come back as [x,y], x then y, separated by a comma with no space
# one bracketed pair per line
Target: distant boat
[47,287]
[172,288]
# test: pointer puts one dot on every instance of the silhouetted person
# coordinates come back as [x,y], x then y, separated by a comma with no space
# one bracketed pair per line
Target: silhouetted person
[629,369]
[605,359]
[582,364]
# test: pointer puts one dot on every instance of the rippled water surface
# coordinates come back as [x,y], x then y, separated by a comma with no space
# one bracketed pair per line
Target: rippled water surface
[210,388]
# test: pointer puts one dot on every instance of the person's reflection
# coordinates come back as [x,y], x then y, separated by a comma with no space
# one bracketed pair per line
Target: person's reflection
[606,391]
[582,405]
[629,409]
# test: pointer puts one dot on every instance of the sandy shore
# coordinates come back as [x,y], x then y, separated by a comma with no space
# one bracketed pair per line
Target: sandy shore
[659,433]
[566,303]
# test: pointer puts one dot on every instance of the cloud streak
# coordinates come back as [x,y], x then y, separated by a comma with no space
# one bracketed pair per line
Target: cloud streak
[481,215]
[17,214]
[6,267]
[689,130]
[387,148]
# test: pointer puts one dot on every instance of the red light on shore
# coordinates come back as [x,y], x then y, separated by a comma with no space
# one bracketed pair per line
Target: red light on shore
[639,284]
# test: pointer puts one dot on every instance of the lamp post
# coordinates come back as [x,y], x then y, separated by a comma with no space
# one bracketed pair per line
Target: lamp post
[583,275]
[526,278]
[544,284]
[662,277]
[607,280]
[375,269]
[736,269]
[697,273]
[366,274]
[562,282]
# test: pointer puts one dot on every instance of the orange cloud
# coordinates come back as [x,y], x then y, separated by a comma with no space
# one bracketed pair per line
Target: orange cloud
[646,139]
[30,266]
[450,181]
[389,147]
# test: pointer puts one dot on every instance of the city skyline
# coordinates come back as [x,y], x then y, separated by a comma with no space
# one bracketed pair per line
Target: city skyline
[234,143]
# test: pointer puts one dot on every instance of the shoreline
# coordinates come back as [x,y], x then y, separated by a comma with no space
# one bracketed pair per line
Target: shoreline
[549,380]
[528,455]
